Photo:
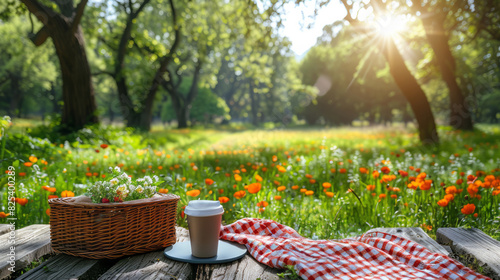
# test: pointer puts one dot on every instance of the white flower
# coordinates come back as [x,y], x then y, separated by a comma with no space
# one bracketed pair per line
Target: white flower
[121,188]
[139,189]
[155,179]
[148,180]
[117,169]
[114,181]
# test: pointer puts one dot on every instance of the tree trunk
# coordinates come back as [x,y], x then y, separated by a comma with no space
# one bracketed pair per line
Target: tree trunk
[460,116]
[253,104]
[78,93]
[413,93]
[16,96]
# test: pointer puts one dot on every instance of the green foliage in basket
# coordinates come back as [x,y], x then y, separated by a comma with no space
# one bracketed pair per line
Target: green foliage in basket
[120,187]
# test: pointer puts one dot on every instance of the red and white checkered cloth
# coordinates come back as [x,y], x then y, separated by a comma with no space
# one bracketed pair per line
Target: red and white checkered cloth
[375,255]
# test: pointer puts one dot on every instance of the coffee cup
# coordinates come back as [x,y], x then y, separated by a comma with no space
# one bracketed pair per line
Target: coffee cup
[204,220]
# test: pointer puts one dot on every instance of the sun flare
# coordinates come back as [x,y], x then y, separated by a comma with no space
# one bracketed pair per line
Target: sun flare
[390,26]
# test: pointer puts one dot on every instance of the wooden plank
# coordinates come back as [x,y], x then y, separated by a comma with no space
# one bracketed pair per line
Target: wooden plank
[152,265]
[417,235]
[31,243]
[245,269]
[62,267]
[473,248]
[4,228]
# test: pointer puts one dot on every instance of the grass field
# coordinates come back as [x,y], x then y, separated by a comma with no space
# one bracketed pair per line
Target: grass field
[325,183]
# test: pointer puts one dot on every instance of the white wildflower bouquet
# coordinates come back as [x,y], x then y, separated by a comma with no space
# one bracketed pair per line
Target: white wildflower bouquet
[120,187]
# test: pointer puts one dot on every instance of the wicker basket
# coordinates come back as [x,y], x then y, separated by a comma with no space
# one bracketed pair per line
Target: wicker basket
[112,230]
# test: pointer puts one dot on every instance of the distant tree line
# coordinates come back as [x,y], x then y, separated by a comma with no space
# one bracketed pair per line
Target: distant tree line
[206,61]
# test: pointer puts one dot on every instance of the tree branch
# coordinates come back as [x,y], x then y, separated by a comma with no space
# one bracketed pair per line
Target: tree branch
[102,72]
[42,12]
[193,90]
[40,37]
[78,15]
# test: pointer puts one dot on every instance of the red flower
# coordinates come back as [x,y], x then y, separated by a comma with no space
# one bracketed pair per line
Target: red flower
[468,209]
[104,146]
[385,170]
[104,200]
[209,182]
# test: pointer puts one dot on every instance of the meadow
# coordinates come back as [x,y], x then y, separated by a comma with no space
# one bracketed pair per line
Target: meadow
[325,183]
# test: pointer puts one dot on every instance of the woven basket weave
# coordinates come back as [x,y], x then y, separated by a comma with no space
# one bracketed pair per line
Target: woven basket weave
[112,230]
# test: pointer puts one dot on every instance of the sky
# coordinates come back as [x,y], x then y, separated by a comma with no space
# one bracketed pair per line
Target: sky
[297,19]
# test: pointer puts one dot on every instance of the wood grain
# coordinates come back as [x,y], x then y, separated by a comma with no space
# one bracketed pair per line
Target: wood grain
[245,269]
[4,228]
[417,235]
[474,248]
[62,267]
[152,265]
[31,243]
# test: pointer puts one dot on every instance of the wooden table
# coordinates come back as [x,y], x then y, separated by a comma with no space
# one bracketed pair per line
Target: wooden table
[471,246]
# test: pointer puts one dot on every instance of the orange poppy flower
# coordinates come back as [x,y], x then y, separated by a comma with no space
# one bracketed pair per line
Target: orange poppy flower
[375,174]
[443,202]
[426,185]
[258,178]
[4,215]
[329,194]
[223,199]
[309,192]
[277,197]
[312,181]
[370,187]
[295,187]
[22,201]
[254,187]
[163,190]
[209,182]
[239,194]
[451,190]
[49,189]
[385,170]
[33,159]
[237,177]
[22,174]
[193,193]
[104,146]
[403,173]
[47,212]
[262,204]
[67,194]
[394,196]
[52,196]
[468,209]
[326,185]
[343,170]
[382,195]
[363,170]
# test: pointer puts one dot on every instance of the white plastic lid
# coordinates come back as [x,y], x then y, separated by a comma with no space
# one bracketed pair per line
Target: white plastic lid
[203,208]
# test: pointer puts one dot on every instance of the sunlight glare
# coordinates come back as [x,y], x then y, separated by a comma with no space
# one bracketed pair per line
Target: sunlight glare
[390,26]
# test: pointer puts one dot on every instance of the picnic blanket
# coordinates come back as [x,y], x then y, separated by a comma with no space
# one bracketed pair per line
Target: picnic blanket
[376,255]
